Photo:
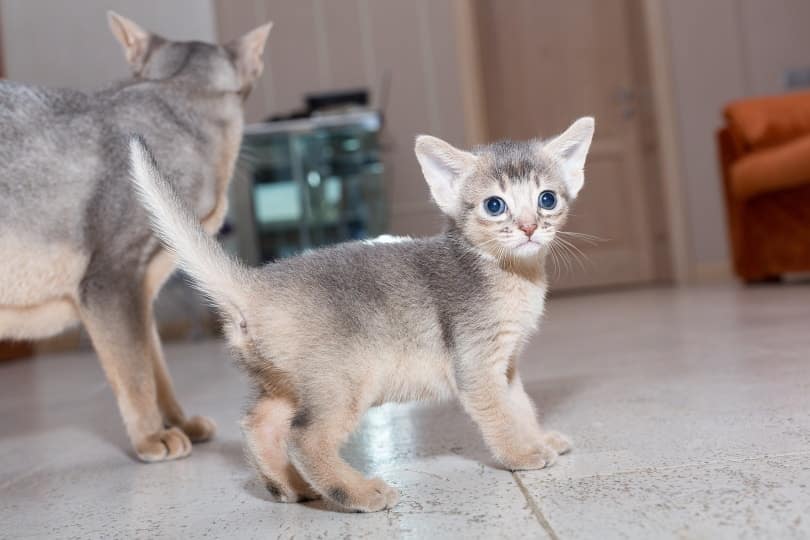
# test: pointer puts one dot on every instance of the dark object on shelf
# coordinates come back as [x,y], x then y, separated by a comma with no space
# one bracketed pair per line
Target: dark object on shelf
[331,100]
[335,100]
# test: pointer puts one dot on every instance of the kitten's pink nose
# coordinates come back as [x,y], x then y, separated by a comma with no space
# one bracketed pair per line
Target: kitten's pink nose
[528,229]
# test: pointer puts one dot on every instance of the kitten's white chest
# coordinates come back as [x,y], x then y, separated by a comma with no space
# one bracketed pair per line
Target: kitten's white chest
[521,307]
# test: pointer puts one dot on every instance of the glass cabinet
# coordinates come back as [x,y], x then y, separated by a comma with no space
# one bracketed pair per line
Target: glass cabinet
[307,183]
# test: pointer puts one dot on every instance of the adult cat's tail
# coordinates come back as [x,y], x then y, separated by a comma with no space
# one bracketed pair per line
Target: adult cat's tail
[211,270]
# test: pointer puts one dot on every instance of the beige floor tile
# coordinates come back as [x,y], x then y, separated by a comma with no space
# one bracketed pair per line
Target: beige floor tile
[690,410]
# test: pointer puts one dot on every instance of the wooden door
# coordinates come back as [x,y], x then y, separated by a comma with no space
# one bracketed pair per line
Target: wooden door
[545,63]
[2,71]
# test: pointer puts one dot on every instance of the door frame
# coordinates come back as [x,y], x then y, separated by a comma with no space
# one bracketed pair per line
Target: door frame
[667,130]
[662,102]
[2,65]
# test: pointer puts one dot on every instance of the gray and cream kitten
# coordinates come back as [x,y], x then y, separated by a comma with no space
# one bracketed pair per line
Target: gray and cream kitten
[332,332]
[75,243]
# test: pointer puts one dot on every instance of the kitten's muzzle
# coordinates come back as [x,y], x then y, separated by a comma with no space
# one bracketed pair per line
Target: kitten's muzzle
[528,228]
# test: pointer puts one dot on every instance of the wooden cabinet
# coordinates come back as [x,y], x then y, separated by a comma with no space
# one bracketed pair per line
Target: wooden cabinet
[15,349]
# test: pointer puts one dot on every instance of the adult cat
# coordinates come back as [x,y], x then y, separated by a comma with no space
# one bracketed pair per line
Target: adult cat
[75,243]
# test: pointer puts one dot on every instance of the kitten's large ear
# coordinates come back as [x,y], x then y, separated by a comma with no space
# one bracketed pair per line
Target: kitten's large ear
[248,51]
[570,148]
[134,39]
[443,166]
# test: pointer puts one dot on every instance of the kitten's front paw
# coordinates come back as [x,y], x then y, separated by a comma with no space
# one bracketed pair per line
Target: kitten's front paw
[557,441]
[539,457]
[369,496]
[164,445]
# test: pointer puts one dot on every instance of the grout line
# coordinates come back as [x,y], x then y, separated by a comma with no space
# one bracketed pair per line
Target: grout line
[711,463]
[23,475]
[541,519]
[690,465]
[717,462]
[538,514]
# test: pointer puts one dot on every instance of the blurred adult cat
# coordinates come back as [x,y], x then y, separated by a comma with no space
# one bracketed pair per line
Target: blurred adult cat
[75,243]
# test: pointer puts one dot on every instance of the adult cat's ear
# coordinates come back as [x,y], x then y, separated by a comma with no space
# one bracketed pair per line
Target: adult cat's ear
[570,148]
[135,40]
[443,166]
[248,51]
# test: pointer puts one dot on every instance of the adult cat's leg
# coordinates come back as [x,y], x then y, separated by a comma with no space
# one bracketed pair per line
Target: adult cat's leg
[114,317]
[315,439]
[485,394]
[198,428]
[267,429]
[527,416]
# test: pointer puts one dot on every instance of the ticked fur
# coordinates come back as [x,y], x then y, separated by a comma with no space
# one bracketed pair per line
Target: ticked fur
[75,243]
[330,333]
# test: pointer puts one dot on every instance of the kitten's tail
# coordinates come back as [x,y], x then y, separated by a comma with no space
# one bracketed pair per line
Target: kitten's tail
[212,271]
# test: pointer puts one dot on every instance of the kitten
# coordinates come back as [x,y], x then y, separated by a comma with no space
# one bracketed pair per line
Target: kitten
[75,243]
[330,333]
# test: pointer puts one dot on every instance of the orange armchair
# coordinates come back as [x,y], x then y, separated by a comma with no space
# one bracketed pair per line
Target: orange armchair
[764,153]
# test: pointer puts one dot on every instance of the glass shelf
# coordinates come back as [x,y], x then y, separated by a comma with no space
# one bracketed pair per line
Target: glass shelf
[312,182]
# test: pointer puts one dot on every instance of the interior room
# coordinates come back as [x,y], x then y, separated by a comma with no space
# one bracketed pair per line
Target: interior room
[671,304]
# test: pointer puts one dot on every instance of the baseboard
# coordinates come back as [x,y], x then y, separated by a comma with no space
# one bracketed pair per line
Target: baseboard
[712,272]
[11,350]
[76,339]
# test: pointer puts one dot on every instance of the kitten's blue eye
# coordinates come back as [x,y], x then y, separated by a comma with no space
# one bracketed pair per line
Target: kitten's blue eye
[547,200]
[495,206]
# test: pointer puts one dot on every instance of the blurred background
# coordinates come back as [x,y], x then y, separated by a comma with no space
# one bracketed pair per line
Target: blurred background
[688,179]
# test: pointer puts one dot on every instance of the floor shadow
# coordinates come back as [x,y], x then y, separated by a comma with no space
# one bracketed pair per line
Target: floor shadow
[231,450]
[256,489]
[552,394]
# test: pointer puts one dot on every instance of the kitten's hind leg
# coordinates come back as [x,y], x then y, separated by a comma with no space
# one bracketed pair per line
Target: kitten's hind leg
[267,429]
[316,438]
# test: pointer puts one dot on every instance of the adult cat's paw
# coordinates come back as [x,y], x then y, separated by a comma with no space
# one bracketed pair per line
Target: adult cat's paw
[538,457]
[164,445]
[198,428]
[557,441]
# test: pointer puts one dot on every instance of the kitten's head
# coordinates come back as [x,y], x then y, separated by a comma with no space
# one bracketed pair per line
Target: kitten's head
[233,67]
[508,199]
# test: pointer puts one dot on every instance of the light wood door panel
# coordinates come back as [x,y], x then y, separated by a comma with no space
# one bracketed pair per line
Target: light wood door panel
[545,63]
[2,69]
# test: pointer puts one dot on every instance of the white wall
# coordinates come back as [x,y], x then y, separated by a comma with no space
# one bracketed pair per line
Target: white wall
[68,43]
[720,51]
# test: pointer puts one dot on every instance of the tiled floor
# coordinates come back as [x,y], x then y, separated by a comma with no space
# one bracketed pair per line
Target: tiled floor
[690,411]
